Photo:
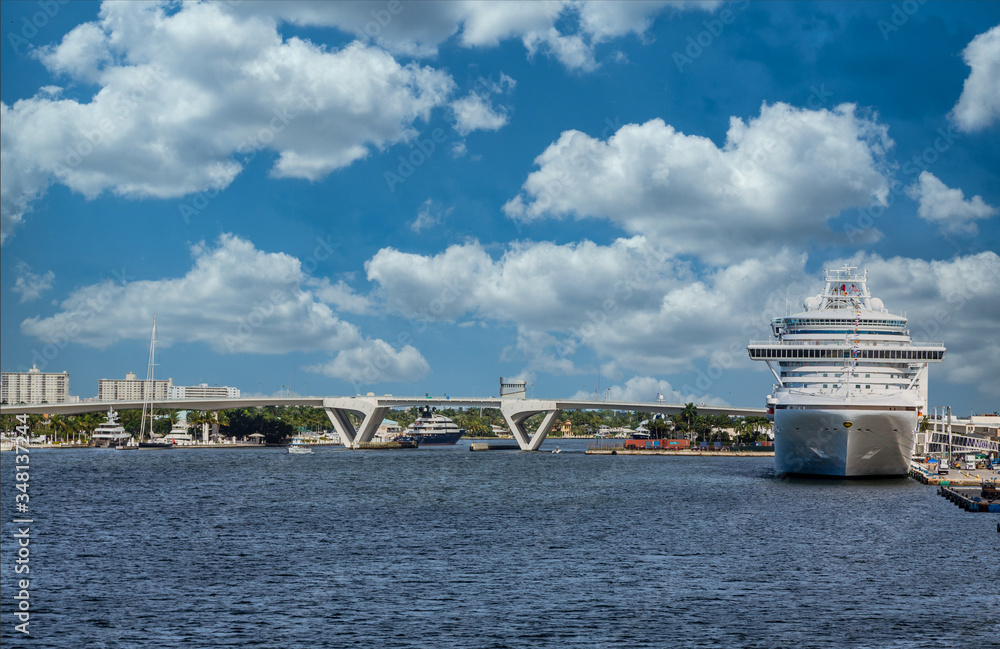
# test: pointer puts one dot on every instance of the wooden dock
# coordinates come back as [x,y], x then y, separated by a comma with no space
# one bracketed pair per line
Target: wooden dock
[970,499]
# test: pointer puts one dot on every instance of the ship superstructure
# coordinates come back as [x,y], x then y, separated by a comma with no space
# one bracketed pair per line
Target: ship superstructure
[851,384]
[431,429]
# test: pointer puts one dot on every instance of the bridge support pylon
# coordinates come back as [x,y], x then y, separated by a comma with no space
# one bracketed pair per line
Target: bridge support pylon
[372,415]
[515,412]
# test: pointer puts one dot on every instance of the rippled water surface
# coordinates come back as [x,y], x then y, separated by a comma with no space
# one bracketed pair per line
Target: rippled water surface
[440,547]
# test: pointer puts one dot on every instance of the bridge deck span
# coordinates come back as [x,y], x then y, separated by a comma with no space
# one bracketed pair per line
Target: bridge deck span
[373,409]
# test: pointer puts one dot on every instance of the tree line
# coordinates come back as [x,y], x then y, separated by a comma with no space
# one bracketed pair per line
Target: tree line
[278,423]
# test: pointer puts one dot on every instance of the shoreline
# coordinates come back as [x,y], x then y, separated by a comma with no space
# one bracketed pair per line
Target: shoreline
[643,451]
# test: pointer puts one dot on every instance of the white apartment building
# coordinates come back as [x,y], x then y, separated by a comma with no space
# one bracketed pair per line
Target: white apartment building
[204,391]
[34,386]
[132,389]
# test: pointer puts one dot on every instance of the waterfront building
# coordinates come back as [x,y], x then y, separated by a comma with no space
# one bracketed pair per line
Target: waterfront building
[133,389]
[943,433]
[204,391]
[34,386]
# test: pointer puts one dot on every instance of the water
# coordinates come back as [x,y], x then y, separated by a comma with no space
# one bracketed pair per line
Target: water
[440,547]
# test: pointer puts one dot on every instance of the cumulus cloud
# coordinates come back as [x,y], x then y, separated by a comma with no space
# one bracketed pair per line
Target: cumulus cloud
[475,113]
[235,299]
[187,97]
[29,285]
[565,29]
[978,106]
[632,302]
[777,179]
[621,301]
[947,207]
[648,388]
[340,295]
[375,361]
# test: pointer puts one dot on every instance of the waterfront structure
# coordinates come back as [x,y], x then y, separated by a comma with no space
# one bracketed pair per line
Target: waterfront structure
[945,435]
[851,384]
[34,386]
[513,388]
[133,389]
[203,391]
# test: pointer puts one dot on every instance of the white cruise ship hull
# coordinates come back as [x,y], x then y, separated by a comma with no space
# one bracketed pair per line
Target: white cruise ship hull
[877,443]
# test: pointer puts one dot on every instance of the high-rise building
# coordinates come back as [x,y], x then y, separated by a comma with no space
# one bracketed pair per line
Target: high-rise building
[132,389]
[204,391]
[34,386]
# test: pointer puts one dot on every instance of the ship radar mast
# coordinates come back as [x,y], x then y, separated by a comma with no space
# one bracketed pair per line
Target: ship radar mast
[846,289]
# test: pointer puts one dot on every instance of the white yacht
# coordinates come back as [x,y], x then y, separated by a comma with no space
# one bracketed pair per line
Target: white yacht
[179,434]
[431,429]
[851,386]
[110,433]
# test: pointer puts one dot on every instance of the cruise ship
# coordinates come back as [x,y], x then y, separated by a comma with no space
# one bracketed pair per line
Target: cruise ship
[434,430]
[851,384]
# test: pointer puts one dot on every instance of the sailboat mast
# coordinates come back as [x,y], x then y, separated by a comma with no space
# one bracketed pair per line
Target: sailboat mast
[147,395]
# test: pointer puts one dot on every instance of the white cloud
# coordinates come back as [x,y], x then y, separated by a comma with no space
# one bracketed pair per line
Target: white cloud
[946,207]
[634,303]
[777,180]
[29,285]
[235,299]
[621,301]
[375,361]
[341,296]
[474,112]
[420,28]
[978,106]
[647,388]
[186,98]
[81,55]
[429,215]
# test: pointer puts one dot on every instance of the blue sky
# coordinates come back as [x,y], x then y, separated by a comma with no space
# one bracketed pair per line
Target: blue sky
[410,198]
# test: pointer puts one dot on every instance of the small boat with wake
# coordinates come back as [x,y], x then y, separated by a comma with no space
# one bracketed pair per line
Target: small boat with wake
[299,446]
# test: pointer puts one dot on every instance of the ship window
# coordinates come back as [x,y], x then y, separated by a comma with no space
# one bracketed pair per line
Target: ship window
[824,385]
[868,387]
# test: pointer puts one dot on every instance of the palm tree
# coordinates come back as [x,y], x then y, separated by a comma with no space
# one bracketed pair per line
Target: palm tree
[689,415]
[60,424]
[197,418]
[218,417]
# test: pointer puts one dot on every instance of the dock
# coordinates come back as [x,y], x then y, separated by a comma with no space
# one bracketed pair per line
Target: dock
[485,446]
[970,499]
[954,478]
[684,452]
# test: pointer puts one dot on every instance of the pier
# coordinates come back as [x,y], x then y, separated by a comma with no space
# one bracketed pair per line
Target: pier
[971,500]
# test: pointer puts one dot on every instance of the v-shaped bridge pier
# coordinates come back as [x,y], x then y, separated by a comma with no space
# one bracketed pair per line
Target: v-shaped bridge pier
[372,410]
